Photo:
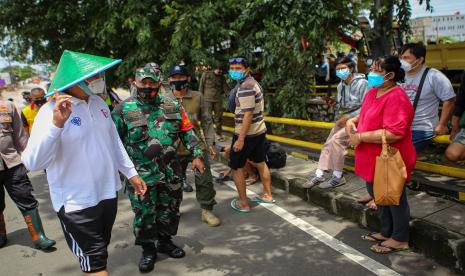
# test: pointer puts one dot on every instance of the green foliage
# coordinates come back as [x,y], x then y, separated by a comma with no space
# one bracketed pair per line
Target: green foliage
[447,39]
[196,32]
[22,72]
[383,12]
[268,33]
[124,29]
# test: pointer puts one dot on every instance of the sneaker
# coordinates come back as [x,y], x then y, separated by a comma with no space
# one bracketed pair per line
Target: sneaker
[333,183]
[222,178]
[313,182]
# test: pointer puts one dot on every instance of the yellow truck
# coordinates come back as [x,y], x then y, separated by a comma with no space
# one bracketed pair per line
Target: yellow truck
[449,58]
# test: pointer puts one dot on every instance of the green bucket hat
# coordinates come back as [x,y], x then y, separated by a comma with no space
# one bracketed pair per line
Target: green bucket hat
[75,67]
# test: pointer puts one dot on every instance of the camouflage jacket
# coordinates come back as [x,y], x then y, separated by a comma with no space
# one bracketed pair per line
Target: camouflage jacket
[151,133]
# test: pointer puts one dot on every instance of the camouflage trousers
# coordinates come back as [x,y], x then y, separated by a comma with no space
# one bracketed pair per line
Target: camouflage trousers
[204,190]
[156,212]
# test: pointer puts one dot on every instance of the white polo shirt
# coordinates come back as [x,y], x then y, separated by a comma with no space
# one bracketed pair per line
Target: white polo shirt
[82,159]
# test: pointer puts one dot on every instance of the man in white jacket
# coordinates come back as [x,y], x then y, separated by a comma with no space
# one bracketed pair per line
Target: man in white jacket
[75,140]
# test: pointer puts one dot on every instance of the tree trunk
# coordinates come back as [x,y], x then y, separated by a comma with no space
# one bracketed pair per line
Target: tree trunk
[382,29]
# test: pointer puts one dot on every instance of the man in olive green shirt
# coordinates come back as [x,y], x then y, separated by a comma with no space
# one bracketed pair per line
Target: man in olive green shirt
[212,86]
[194,105]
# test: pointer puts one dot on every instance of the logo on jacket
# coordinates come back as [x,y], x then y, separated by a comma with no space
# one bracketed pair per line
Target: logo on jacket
[104,112]
[76,121]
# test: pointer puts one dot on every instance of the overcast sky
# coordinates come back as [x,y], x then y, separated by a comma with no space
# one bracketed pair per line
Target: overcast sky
[440,7]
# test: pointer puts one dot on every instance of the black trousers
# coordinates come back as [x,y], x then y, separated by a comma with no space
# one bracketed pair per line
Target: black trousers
[394,219]
[17,184]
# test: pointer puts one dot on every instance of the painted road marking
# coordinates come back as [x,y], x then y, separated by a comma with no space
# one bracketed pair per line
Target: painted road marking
[349,252]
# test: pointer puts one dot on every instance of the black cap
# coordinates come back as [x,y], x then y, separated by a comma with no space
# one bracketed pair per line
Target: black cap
[178,70]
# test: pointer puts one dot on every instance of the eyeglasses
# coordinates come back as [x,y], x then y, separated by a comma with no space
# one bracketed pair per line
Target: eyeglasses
[237,60]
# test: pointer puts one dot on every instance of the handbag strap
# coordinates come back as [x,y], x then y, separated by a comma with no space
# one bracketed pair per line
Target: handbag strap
[420,87]
[384,153]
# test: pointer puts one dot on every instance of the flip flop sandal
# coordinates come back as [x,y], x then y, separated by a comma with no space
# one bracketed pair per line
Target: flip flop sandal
[251,181]
[371,205]
[371,237]
[258,199]
[363,200]
[391,249]
[237,209]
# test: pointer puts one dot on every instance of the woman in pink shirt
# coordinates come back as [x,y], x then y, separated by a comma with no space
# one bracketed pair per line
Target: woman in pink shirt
[388,107]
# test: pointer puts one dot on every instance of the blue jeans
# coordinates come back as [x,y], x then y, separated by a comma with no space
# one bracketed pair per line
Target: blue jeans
[421,139]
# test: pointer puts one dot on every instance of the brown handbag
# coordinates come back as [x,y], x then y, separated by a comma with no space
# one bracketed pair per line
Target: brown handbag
[390,175]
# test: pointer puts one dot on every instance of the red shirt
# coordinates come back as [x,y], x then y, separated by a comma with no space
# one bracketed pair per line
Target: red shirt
[393,112]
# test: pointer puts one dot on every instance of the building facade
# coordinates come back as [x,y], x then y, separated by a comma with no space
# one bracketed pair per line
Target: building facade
[433,28]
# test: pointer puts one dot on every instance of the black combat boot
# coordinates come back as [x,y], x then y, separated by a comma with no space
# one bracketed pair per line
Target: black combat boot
[147,261]
[167,246]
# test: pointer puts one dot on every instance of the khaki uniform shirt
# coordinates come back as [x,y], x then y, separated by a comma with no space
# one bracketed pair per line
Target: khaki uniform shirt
[213,86]
[13,137]
[194,106]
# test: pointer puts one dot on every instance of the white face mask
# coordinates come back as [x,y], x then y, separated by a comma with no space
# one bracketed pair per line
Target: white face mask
[97,86]
[405,65]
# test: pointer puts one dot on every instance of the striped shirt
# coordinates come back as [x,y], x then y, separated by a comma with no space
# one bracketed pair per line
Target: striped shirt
[249,97]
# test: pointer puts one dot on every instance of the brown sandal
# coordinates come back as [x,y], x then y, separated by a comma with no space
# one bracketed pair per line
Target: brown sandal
[371,237]
[390,249]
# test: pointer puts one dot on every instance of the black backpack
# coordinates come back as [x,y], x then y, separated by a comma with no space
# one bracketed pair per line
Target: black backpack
[275,155]
[232,99]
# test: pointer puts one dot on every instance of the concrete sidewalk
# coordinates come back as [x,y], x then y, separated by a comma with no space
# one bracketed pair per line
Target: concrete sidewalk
[437,226]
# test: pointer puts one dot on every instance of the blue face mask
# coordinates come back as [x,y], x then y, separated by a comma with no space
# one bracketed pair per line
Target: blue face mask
[237,75]
[86,88]
[343,74]
[375,80]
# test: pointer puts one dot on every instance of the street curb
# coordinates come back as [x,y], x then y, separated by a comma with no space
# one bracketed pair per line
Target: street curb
[434,241]
[444,246]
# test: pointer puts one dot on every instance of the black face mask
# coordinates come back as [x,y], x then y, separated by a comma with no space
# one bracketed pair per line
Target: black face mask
[178,85]
[147,93]
[40,102]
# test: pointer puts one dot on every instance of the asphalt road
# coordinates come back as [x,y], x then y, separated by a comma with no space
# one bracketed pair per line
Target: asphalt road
[291,238]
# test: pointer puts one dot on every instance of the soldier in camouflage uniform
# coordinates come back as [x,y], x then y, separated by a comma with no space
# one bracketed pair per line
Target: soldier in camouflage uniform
[151,128]
[194,105]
